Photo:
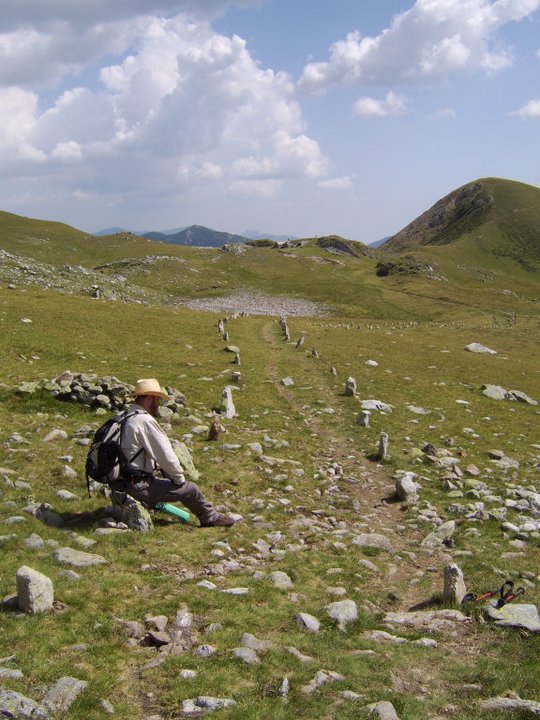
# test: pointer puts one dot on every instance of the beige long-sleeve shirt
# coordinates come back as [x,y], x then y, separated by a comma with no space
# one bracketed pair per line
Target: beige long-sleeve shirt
[143,431]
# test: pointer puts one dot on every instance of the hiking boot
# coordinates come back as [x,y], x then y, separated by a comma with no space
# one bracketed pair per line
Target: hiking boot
[219,521]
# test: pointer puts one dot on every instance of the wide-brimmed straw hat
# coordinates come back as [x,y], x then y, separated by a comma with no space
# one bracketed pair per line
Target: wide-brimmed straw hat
[149,386]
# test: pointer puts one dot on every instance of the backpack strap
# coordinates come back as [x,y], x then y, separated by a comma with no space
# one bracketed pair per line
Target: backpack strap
[121,457]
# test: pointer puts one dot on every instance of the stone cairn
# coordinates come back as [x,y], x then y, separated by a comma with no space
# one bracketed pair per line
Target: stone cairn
[285,329]
[108,393]
[382,453]
[363,418]
[216,429]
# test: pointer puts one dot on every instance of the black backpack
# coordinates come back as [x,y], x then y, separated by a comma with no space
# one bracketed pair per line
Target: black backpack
[105,462]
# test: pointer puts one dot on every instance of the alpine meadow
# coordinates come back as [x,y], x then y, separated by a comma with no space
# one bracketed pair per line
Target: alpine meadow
[376,438]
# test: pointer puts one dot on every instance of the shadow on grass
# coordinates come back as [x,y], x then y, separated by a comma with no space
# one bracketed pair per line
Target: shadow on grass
[435,602]
[93,519]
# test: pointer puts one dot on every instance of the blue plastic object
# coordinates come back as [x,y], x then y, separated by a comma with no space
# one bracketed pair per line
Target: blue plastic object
[173,510]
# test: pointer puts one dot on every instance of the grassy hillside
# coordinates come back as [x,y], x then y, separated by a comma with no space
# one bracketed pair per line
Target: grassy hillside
[492,216]
[474,255]
[294,463]
[306,510]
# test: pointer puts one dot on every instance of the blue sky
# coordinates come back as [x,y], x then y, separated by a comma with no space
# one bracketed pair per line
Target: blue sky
[293,117]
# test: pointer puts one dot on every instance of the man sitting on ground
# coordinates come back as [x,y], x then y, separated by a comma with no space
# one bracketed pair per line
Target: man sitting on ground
[148,451]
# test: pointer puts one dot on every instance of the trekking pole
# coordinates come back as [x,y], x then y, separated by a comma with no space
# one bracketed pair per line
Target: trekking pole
[469,597]
[171,509]
[504,591]
[510,596]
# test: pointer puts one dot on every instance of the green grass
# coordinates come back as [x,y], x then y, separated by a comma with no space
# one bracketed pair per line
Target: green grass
[418,343]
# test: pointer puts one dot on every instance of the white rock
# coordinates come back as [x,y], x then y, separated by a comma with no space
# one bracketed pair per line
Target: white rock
[478,348]
[34,590]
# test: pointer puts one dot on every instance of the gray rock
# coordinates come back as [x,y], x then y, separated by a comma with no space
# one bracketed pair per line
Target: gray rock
[439,536]
[418,410]
[27,388]
[454,585]
[182,453]
[34,542]
[195,706]
[384,440]
[364,418]
[381,636]
[287,381]
[63,694]
[521,397]
[204,651]
[129,511]
[373,540]
[322,677]
[376,405]
[503,703]
[49,516]
[281,580]
[350,387]
[250,641]
[17,706]
[78,558]
[308,622]
[227,405]
[343,612]
[34,590]
[496,392]
[407,488]
[515,615]
[384,710]
[10,674]
[247,655]
[56,434]
[435,620]
[67,494]
[478,348]
[298,655]
[107,707]
[132,628]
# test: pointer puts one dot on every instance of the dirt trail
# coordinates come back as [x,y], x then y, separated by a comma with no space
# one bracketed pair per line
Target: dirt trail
[397,587]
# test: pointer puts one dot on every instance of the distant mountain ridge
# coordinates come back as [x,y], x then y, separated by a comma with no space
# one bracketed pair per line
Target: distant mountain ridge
[199,236]
[196,235]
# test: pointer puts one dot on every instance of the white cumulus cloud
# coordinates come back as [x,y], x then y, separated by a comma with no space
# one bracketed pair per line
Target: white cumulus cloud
[183,104]
[338,183]
[392,104]
[529,110]
[428,42]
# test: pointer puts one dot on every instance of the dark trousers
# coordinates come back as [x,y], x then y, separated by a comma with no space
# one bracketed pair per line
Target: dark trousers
[155,490]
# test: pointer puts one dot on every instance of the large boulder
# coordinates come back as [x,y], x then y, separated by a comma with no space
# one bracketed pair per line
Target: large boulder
[17,706]
[129,511]
[182,453]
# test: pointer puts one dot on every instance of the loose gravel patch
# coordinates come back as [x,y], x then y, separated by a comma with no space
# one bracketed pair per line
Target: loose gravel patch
[259,304]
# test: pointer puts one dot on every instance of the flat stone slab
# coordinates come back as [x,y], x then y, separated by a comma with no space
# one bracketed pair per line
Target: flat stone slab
[373,540]
[502,703]
[479,348]
[383,710]
[517,616]
[427,619]
[63,694]
[68,556]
